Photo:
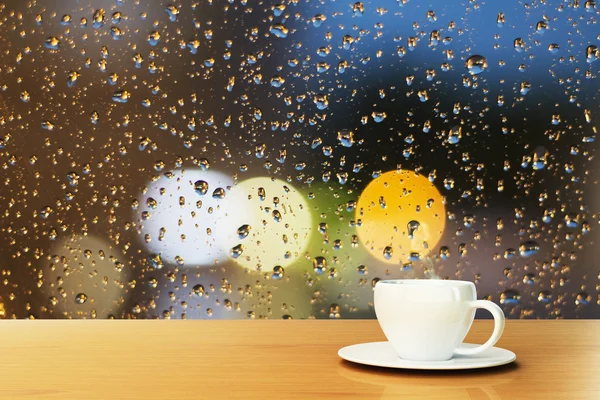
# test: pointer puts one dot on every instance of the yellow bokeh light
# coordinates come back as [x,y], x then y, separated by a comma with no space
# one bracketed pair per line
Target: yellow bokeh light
[402,217]
[268,224]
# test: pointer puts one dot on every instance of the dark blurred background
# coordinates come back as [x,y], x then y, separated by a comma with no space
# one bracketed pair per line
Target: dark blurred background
[113,111]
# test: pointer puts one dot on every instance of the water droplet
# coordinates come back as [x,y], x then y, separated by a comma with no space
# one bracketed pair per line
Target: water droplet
[48,125]
[172,11]
[332,273]
[412,227]
[321,101]
[411,43]
[414,256]
[378,116]
[476,64]
[544,296]
[583,298]
[116,32]
[73,178]
[204,164]
[66,20]
[81,298]
[155,261]
[529,248]
[323,228]
[99,18]
[468,220]
[138,60]
[455,134]
[510,253]
[319,264]
[278,272]
[261,194]
[462,250]
[318,19]
[529,279]
[592,53]
[444,253]
[525,88]
[510,296]
[347,42]
[553,48]
[45,212]
[151,203]
[116,17]
[500,20]
[218,193]
[590,5]
[94,117]
[121,96]
[541,27]
[388,252]
[337,244]
[153,38]
[571,220]
[72,77]
[237,251]
[279,30]
[198,290]
[540,158]
[346,137]
[434,39]
[278,9]
[585,228]
[350,205]
[201,187]
[358,9]
[113,78]
[519,45]
[25,97]
[243,231]
[52,43]
[334,311]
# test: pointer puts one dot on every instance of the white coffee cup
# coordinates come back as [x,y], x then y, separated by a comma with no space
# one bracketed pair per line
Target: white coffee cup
[428,319]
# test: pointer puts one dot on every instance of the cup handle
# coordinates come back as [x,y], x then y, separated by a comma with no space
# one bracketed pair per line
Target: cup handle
[498,315]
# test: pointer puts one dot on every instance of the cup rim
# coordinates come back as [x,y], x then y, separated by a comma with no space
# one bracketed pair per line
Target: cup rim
[414,282]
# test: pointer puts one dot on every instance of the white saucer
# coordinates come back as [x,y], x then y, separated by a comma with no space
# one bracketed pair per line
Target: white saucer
[381,354]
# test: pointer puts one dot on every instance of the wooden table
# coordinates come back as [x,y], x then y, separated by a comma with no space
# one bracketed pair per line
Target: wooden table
[120,360]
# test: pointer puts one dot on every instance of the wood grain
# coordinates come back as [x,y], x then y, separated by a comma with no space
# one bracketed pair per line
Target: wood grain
[75,360]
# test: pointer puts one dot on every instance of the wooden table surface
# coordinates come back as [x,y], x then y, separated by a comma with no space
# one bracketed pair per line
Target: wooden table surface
[119,360]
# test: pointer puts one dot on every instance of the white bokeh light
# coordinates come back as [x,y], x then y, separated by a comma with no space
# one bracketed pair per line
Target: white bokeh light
[180,223]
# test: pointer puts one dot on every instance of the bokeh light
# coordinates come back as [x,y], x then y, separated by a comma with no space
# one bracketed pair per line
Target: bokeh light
[338,264]
[402,217]
[84,277]
[179,213]
[268,224]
